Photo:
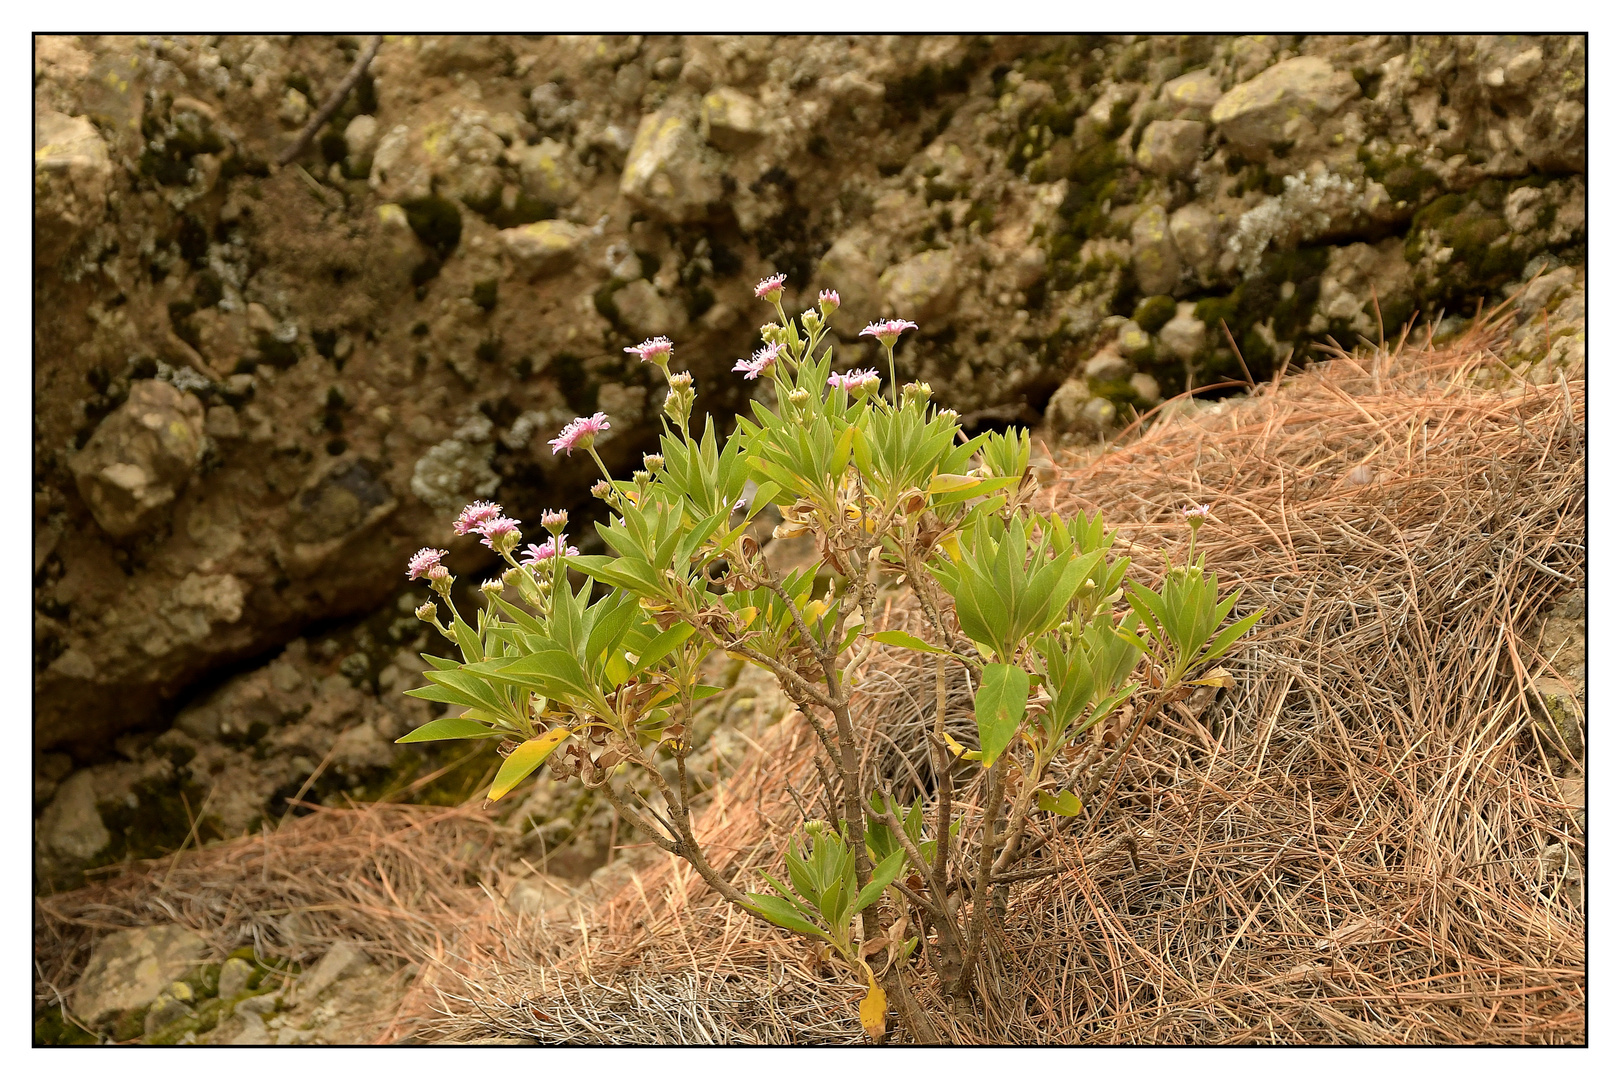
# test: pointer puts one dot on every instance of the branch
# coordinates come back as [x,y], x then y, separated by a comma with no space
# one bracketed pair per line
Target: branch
[333,102]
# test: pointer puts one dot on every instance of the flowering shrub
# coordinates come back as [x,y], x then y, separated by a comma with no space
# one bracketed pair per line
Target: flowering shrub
[1065,658]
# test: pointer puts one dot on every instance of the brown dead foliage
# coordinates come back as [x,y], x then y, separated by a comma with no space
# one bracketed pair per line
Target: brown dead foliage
[1348,847]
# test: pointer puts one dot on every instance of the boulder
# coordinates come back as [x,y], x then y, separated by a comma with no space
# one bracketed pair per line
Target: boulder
[1153,253]
[1133,343]
[1183,336]
[1196,231]
[400,172]
[234,975]
[731,120]
[547,172]
[1146,388]
[340,961]
[72,174]
[1108,367]
[544,247]
[1282,104]
[1065,409]
[71,827]
[140,457]
[1192,95]
[395,250]
[360,140]
[1170,147]
[128,969]
[668,171]
[922,287]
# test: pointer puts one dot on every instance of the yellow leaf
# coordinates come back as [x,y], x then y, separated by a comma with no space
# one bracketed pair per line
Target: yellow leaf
[944,482]
[961,751]
[875,1011]
[1218,677]
[952,548]
[525,759]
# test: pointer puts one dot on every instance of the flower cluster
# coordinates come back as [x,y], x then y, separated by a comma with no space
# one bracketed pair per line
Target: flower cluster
[474,515]
[539,553]
[500,533]
[580,434]
[761,362]
[424,561]
[771,288]
[653,351]
[859,381]
[888,331]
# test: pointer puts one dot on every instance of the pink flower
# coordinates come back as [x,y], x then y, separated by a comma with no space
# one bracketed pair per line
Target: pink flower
[855,380]
[580,434]
[552,520]
[888,331]
[828,301]
[762,362]
[474,515]
[653,350]
[424,561]
[1196,514]
[770,288]
[539,553]
[499,531]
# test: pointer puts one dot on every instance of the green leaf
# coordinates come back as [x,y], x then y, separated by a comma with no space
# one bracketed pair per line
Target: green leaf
[998,707]
[882,874]
[779,911]
[662,645]
[902,640]
[451,727]
[525,759]
[1067,804]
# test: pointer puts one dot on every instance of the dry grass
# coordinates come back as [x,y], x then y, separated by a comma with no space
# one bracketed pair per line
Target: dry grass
[1363,842]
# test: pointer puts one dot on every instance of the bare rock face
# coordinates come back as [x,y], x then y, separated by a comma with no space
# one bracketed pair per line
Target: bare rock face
[668,173]
[72,173]
[457,264]
[1282,104]
[140,457]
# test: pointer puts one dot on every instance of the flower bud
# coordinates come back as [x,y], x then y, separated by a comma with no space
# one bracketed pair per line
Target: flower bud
[799,397]
[815,827]
[681,380]
[554,520]
[828,302]
[428,612]
[493,587]
[918,392]
[512,576]
[641,476]
[601,490]
[653,462]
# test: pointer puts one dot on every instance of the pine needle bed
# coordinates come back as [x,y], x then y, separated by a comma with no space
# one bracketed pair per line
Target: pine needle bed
[1349,847]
